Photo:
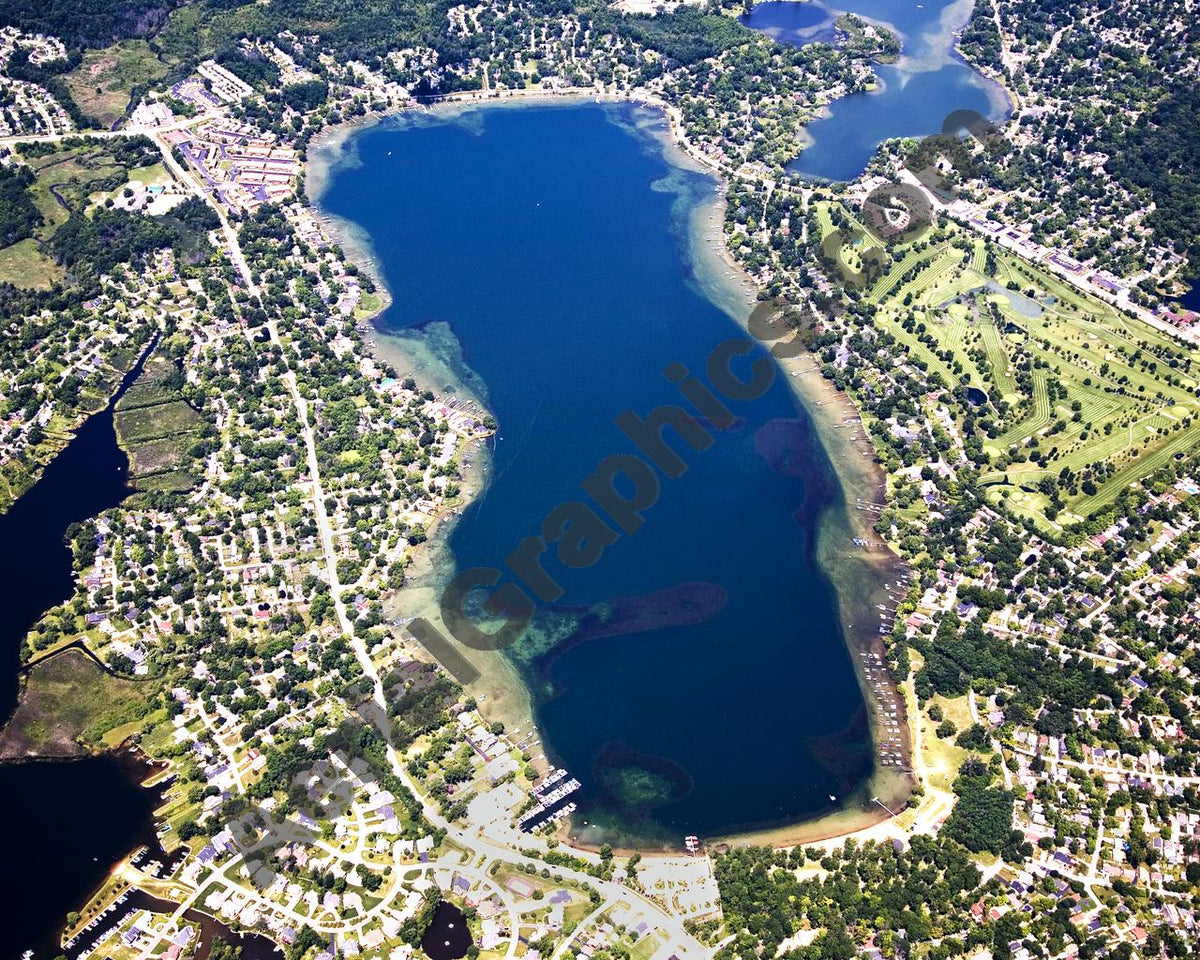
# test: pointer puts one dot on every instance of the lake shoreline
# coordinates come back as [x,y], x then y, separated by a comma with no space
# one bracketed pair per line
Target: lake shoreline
[140,783]
[859,476]
[726,284]
[844,136]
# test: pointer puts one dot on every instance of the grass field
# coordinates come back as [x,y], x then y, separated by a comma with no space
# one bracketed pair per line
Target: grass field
[164,420]
[155,173]
[157,428]
[66,179]
[102,83]
[69,702]
[24,265]
[1080,400]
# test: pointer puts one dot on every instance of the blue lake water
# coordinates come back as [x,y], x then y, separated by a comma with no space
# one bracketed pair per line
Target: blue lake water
[714,688]
[790,22]
[914,95]
[1191,299]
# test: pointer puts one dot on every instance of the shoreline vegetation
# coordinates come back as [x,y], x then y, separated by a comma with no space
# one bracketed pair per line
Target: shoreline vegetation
[71,704]
[58,437]
[500,690]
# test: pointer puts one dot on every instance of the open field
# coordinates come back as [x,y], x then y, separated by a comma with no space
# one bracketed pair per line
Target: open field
[161,456]
[68,702]
[155,173]
[24,266]
[102,83]
[1073,401]
[65,180]
[157,428]
[162,420]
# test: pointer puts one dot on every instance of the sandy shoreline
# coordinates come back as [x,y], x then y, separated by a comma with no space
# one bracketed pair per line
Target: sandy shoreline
[859,477]
[500,690]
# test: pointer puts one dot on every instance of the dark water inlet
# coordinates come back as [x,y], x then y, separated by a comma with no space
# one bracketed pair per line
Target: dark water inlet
[69,821]
[89,476]
[206,931]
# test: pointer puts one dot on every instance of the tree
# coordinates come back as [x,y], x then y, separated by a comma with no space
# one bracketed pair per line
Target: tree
[982,817]
[306,939]
[223,950]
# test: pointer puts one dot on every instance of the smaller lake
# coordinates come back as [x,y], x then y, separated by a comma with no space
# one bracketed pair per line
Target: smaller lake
[448,936]
[913,96]
[68,822]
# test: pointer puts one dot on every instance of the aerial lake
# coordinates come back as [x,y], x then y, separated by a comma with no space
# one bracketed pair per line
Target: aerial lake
[913,96]
[66,854]
[695,679]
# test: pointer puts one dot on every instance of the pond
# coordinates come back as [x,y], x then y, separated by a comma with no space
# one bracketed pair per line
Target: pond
[1017,301]
[448,936]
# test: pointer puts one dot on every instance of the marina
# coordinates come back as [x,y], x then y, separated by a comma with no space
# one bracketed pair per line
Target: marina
[128,920]
[553,800]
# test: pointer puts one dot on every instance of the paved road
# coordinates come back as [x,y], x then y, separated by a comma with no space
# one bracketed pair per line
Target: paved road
[109,134]
[613,892]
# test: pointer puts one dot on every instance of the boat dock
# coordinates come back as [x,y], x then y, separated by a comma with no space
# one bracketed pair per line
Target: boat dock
[554,802]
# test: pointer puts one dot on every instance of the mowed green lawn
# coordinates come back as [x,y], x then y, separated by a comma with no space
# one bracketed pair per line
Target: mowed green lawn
[1080,386]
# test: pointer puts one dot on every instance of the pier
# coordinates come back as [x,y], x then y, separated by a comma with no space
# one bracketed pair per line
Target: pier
[553,796]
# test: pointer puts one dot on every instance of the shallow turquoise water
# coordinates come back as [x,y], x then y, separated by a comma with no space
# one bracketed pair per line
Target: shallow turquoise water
[549,239]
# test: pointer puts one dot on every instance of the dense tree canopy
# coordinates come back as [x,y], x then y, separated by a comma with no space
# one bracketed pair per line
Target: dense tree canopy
[18,214]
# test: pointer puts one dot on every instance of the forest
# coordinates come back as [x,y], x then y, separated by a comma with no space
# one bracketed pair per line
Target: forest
[86,23]
[18,213]
[90,246]
[1158,153]
[904,894]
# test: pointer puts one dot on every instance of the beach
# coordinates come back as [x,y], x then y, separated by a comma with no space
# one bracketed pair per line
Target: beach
[860,477]
[500,692]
